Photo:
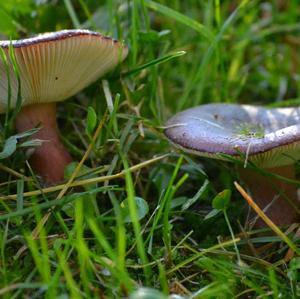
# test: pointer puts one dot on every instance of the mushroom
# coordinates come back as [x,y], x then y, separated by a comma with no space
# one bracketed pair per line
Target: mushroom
[53,67]
[269,138]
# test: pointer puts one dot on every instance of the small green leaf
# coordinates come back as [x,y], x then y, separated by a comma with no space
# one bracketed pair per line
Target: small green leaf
[295,263]
[85,172]
[9,147]
[212,213]
[10,144]
[178,202]
[142,208]
[293,270]
[196,197]
[69,208]
[27,133]
[91,121]
[222,199]
[32,143]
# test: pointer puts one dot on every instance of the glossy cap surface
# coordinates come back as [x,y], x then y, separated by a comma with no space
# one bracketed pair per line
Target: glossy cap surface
[268,137]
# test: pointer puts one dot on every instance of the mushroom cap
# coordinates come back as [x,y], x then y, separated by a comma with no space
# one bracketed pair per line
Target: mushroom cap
[54,66]
[267,137]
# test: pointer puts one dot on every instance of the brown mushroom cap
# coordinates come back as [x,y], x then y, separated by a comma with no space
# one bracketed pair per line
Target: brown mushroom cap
[55,66]
[268,137]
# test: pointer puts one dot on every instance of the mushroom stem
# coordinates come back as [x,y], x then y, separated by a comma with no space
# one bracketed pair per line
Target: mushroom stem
[273,192]
[49,159]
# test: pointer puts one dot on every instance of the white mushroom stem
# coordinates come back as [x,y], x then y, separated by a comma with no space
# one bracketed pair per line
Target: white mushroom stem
[270,194]
[49,159]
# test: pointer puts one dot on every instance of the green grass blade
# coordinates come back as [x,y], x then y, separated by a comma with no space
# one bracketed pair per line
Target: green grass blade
[7,72]
[154,62]
[135,221]
[72,13]
[181,18]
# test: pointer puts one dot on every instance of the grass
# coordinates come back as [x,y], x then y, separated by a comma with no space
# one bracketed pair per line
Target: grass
[145,222]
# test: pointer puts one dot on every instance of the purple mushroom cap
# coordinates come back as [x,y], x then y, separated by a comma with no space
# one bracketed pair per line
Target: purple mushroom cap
[267,137]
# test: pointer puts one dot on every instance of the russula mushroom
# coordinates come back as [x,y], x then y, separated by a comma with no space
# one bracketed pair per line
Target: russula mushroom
[53,67]
[270,138]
